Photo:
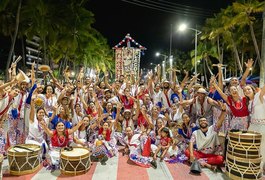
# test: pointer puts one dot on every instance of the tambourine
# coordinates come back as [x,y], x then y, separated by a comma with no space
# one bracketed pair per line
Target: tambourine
[39,101]
[44,68]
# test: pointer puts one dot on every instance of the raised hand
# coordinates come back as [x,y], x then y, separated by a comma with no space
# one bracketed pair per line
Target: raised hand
[80,123]
[179,91]
[213,80]
[222,105]
[186,72]
[119,106]
[13,65]
[55,107]
[249,63]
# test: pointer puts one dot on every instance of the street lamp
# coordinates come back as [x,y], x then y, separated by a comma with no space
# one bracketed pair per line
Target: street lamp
[183,27]
[163,64]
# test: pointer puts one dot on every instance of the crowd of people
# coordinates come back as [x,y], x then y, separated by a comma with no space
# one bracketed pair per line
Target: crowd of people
[146,118]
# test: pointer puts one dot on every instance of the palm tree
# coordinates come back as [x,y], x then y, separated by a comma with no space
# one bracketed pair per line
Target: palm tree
[245,16]
[7,28]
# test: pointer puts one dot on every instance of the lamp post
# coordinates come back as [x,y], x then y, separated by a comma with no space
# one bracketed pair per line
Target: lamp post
[163,64]
[183,27]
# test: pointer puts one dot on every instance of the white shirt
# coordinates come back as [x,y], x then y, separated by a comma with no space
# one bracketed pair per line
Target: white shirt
[257,109]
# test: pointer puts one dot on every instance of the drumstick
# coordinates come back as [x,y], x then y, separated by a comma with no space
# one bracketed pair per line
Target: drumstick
[21,147]
[17,60]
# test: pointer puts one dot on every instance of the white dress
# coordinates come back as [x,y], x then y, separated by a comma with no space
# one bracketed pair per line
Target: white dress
[76,118]
[36,134]
[257,123]
[49,104]
[81,135]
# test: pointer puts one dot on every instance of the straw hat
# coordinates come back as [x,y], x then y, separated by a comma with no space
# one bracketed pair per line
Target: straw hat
[22,77]
[202,90]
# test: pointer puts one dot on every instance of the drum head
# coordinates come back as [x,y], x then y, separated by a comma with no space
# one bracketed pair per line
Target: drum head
[24,148]
[76,152]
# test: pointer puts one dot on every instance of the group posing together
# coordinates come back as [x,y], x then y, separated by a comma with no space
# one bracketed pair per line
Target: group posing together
[145,118]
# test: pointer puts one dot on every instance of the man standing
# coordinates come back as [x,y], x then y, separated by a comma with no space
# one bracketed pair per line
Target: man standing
[17,129]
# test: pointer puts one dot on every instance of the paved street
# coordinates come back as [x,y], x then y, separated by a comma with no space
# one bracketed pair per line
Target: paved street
[120,168]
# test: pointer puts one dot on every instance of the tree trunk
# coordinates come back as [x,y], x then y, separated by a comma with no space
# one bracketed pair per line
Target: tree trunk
[13,40]
[23,54]
[44,51]
[235,51]
[255,42]
[205,73]
[218,49]
[262,67]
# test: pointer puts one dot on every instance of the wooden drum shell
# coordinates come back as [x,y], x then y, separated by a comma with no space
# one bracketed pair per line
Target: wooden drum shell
[250,168]
[76,165]
[243,160]
[21,163]
[244,145]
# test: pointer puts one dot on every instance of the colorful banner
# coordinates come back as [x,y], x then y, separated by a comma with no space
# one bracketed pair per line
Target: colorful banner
[127,60]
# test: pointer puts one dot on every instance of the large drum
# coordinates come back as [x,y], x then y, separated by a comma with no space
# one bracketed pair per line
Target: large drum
[244,144]
[24,159]
[75,162]
[242,168]
[243,160]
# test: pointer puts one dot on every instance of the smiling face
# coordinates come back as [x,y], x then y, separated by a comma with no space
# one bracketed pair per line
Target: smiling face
[234,81]
[86,121]
[185,118]
[233,91]
[203,123]
[127,115]
[201,96]
[249,91]
[159,123]
[157,87]
[109,106]
[77,108]
[127,92]
[166,85]
[105,126]
[129,132]
[62,111]
[60,127]
[174,107]
[40,114]
[23,86]
[108,94]
[49,90]
[92,105]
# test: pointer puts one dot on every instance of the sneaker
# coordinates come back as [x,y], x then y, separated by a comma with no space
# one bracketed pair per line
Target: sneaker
[153,164]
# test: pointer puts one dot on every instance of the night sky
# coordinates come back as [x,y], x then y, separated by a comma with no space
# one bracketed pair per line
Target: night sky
[151,27]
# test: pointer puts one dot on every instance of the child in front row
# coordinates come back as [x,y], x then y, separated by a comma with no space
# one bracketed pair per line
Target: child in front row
[164,144]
